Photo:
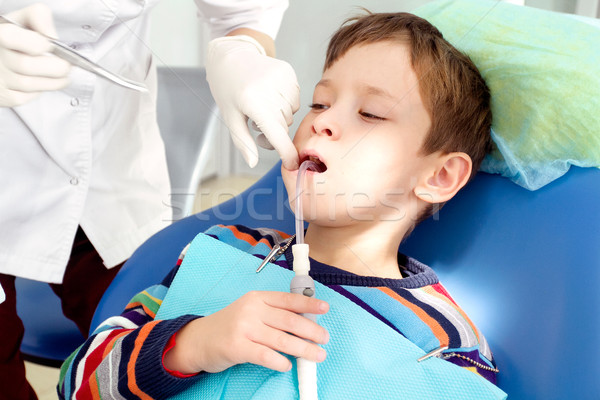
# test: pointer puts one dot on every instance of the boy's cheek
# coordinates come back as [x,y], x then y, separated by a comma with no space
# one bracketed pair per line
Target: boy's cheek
[303,132]
[288,181]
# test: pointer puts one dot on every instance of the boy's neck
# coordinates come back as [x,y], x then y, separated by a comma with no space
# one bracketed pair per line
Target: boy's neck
[367,252]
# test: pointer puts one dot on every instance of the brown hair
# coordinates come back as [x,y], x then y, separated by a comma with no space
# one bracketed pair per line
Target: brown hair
[453,91]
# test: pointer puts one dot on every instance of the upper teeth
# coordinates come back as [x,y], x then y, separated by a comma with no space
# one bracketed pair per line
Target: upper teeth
[313,158]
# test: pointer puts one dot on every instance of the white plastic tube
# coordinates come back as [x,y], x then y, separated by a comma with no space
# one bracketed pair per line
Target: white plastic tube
[302,283]
[306,165]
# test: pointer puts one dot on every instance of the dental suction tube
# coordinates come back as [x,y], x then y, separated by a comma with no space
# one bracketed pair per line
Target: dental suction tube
[306,165]
[302,283]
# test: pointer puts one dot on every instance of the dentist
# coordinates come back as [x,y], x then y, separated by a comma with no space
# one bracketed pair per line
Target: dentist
[82,164]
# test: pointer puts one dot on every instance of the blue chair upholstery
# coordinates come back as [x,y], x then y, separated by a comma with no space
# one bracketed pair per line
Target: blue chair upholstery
[49,336]
[524,265]
[187,117]
[263,204]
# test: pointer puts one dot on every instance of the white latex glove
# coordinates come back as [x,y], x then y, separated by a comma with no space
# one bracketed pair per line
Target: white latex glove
[26,67]
[246,83]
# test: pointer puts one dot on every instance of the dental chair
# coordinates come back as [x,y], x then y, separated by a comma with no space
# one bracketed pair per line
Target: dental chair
[524,265]
[187,117]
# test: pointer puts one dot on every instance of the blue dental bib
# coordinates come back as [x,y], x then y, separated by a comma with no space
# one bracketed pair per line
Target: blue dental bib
[366,359]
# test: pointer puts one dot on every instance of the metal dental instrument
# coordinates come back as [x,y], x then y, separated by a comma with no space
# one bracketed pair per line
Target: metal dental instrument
[274,253]
[63,51]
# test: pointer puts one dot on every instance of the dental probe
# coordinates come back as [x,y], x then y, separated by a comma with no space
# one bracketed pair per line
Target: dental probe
[302,283]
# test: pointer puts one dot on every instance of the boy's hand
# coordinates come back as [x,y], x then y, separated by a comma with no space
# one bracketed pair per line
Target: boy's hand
[252,329]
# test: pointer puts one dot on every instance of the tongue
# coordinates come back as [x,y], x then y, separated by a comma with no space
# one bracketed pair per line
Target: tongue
[316,164]
[320,167]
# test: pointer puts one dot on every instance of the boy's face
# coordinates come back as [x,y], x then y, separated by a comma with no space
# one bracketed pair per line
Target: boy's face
[366,125]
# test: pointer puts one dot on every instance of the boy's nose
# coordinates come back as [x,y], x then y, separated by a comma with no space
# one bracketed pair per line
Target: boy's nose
[324,131]
[323,125]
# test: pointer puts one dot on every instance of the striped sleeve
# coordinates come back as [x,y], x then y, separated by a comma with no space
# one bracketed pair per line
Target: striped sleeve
[256,241]
[430,318]
[467,347]
[452,328]
[123,357]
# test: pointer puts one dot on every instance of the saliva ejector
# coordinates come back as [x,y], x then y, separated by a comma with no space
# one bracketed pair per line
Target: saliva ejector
[303,284]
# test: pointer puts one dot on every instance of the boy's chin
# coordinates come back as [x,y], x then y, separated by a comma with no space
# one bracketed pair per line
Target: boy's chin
[326,222]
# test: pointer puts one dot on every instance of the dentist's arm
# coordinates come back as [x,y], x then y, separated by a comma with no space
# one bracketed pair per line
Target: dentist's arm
[248,83]
[26,68]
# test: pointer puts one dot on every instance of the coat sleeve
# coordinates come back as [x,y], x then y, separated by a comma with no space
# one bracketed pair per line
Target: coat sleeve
[223,16]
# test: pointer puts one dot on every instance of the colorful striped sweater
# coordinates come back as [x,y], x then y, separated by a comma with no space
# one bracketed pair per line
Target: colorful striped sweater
[123,357]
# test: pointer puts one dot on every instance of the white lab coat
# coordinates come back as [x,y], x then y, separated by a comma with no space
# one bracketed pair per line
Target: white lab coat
[91,154]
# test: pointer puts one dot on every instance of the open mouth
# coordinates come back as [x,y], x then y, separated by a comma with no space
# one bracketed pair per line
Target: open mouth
[320,165]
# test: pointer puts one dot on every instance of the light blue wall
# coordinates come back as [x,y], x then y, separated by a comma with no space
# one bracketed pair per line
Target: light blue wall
[176,37]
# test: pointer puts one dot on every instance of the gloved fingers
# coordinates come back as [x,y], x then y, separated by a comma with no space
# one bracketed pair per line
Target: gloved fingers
[13,98]
[287,84]
[33,84]
[44,66]
[275,128]
[291,94]
[25,41]
[287,110]
[262,140]
[244,81]
[37,17]
[238,128]
[288,114]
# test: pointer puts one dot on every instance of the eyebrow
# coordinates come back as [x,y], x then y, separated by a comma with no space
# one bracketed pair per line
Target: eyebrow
[323,82]
[368,89]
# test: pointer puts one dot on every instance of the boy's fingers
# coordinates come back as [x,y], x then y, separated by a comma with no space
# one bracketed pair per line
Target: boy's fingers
[296,303]
[297,325]
[295,346]
[269,358]
[279,341]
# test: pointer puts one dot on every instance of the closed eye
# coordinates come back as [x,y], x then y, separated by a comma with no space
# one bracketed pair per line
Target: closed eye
[317,106]
[371,116]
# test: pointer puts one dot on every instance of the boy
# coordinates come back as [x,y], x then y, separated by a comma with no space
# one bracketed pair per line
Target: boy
[399,123]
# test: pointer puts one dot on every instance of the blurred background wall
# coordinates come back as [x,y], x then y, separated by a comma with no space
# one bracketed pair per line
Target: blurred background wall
[179,39]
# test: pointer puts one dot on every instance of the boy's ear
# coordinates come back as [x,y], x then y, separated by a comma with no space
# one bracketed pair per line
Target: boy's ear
[447,175]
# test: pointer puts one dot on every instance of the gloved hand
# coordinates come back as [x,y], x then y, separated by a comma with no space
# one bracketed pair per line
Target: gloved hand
[246,83]
[26,68]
